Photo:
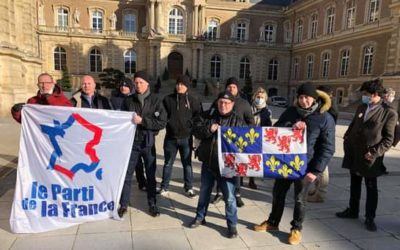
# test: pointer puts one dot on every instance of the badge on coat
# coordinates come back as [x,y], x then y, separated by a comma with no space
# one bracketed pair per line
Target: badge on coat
[156,114]
[360,115]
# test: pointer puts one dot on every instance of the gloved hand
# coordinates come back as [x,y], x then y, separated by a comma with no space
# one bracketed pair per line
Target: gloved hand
[17,107]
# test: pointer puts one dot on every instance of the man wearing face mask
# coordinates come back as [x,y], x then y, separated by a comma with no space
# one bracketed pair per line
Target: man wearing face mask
[368,137]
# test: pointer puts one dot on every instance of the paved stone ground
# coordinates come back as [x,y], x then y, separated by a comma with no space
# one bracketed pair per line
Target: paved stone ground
[322,230]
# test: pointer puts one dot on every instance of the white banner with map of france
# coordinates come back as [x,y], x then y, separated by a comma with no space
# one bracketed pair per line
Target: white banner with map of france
[262,152]
[72,165]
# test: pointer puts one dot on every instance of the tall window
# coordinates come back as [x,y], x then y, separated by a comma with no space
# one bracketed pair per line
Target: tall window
[60,58]
[97,21]
[373,10]
[130,61]
[350,14]
[215,67]
[241,32]
[313,26]
[344,62]
[330,20]
[368,56]
[130,22]
[299,30]
[339,96]
[269,33]
[296,67]
[62,18]
[310,66]
[244,71]
[273,70]
[287,32]
[175,22]
[326,59]
[212,30]
[95,63]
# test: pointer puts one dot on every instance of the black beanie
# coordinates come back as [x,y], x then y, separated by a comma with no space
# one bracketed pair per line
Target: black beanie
[307,89]
[232,80]
[226,95]
[142,74]
[126,82]
[183,79]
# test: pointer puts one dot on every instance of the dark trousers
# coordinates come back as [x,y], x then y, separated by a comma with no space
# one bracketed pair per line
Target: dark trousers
[355,194]
[148,154]
[281,187]
[139,172]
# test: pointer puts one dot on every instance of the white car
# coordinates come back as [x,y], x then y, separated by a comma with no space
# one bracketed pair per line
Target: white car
[279,101]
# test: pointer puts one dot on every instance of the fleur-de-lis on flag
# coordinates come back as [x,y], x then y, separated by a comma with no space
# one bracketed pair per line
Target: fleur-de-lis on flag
[241,144]
[272,163]
[285,171]
[298,135]
[271,134]
[254,162]
[229,135]
[297,163]
[284,143]
[252,135]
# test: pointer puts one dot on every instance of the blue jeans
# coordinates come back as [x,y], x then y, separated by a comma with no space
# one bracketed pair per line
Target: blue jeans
[171,146]
[228,190]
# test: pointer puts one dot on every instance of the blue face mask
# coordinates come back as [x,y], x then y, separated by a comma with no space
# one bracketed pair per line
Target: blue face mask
[366,99]
[259,101]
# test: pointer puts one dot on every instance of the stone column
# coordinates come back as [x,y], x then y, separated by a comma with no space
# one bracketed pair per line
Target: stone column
[158,17]
[201,19]
[195,20]
[151,15]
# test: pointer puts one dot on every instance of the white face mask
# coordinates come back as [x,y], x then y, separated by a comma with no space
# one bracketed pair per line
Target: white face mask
[259,101]
[390,99]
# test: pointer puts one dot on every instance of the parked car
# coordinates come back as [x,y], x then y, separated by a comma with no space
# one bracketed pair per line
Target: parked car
[279,101]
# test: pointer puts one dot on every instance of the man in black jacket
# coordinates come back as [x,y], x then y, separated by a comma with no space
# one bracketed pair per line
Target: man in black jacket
[320,128]
[181,108]
[87,97]
[149,117]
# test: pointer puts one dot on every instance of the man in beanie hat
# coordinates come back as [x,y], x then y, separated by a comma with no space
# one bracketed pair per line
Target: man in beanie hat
[181,109]
[149,117]
[320,128]
[206,129]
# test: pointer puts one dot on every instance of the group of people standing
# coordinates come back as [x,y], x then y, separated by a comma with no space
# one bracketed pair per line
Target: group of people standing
[370,134]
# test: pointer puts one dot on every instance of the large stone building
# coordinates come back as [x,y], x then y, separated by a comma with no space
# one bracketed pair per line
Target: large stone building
[279,43]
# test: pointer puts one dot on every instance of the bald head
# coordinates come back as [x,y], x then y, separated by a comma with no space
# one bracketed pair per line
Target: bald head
[88,85]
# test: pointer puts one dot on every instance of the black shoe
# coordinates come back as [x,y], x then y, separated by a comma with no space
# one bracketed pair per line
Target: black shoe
[239,202]
[385,172]
[143,188]
[217,198]
[122,210]
[154,211]
[347,214]
[232,233]
[195,223]
[370,225]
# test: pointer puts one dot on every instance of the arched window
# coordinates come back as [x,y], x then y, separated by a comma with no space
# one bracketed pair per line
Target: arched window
[129,22]
[273,69]
[62,18]
[130,61]
[313,26]
[97,21]
[326,60]
[95,60]
[368,56]
[60,58]
[175,22]
[244,71]
[212,30]
[310,66]
[344,62]
[350,13]
[215,67]
[373,10]
[330,20]
[269,33]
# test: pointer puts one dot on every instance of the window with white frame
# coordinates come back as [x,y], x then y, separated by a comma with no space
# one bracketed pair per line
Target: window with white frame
[269,33]
[215,67]
[344,62]
[130,61]
[244,70]
[310,67]
[62,18]
[313,26]
[368,56]
[129,24]
[350,14]
[175,22]
[60,58]
[97,21]
[326,60]
[296,68]
[212,30]
[273,69]
[330,20]
[241,31]
[95,60]
[299,30]
[373,10]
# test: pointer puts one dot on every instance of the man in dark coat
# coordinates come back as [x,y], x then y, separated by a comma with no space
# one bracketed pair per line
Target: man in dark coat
[206,129]
[87,96]
[181,108]
[369,136]
[320,128]
[150,117]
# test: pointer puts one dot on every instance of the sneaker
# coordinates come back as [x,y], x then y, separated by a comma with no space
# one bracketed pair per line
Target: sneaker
[294,237]
[239,202]
[195,223]
[190,193]
[217,198]
[122,210]
[370,225]
[316,198]
[264,227]
[154,211]
[232,233]
[347,214]
[162,192]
